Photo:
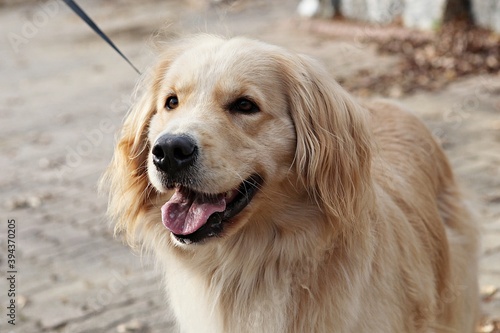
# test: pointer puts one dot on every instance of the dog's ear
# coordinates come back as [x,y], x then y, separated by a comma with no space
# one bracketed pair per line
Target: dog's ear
[333,152]
[126,175]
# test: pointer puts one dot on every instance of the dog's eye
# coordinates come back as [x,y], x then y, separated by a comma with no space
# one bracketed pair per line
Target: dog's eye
[243,105]
[172,102]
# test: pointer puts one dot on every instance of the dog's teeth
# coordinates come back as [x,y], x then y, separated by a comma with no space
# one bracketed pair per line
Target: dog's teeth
[229,194]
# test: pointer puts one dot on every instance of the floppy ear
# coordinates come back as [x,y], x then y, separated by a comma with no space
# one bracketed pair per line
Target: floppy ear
[333,152]
[126,175]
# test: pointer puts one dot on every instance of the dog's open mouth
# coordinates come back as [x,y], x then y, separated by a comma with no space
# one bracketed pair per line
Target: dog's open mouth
[192,216]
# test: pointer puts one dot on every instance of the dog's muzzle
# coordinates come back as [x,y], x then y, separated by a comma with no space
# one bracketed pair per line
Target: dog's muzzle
[191,214]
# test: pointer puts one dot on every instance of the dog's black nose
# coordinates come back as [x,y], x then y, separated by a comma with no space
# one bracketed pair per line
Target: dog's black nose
[173,153]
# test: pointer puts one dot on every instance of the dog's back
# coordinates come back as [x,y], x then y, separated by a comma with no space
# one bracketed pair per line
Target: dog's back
[413,170]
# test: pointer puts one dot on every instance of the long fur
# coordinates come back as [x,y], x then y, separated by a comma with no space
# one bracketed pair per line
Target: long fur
[361,228]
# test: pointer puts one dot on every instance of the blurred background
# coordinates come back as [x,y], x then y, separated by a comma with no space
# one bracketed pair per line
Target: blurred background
[64,93]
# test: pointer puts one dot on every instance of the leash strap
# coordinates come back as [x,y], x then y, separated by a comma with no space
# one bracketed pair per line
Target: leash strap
[74,6]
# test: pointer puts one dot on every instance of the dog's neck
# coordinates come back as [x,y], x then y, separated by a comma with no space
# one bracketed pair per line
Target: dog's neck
[295,224]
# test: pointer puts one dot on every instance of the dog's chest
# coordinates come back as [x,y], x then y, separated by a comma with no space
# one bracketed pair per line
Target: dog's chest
[191,303]
[224,308]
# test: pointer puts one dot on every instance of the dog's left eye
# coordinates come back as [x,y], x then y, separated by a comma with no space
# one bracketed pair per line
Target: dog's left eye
[243,105]
[172,102]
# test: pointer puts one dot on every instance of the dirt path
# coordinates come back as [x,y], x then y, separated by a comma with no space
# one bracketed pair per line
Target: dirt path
[63,94]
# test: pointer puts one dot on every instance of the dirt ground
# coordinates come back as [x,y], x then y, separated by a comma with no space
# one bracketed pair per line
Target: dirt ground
[63,95]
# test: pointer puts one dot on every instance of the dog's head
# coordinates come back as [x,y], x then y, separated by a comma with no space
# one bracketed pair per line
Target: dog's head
[228,129]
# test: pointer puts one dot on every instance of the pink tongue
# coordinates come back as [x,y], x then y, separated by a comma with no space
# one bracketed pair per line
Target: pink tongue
[184,215]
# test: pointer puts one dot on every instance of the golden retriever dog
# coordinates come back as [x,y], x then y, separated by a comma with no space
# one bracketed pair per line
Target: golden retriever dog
[276,202]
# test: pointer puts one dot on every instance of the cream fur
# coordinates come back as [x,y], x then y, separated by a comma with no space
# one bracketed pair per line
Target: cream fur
[358,227]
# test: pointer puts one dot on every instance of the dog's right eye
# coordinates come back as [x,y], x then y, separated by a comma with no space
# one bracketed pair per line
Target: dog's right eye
[172,102]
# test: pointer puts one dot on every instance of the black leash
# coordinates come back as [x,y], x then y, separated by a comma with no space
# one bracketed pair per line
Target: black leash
[98,31]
